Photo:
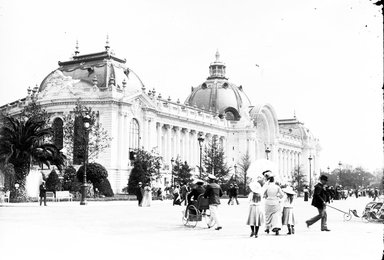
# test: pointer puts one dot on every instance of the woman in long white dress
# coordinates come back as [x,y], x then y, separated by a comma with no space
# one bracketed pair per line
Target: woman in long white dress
[147,197]
[272,195]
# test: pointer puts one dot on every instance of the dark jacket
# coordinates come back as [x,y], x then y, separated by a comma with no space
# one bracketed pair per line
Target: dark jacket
[213,192]
[43,190]
[139,192]
[319,196]
[195,193]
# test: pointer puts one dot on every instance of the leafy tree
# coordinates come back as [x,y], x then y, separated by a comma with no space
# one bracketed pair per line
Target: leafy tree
[137,175]
[182,172]
[244,164]
[53,181]
[298,179]
[69,177]
[214,161]
[98,138]
[150,163]
[35,111]
[23,143]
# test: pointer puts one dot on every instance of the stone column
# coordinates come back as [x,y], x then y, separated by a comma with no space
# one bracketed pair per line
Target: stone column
[168,149]
[177,142]
[187,147]
[158,141]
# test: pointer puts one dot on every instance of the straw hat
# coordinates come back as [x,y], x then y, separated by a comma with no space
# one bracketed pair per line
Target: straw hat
[255,187]
[289,190]
[198,181]
[212,177]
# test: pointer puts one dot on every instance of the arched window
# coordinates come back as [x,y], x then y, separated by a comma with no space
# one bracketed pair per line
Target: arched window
[78,141]
[57,127]
[134,134]
[231,114]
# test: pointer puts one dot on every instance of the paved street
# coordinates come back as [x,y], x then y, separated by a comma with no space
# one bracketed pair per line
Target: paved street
[121,230]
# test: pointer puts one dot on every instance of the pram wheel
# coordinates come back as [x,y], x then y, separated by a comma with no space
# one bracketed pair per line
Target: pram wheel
[347,216]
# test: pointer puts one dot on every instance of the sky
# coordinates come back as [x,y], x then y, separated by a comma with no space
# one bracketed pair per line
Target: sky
[319,60]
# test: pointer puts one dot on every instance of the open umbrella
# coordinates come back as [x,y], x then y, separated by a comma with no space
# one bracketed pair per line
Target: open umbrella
[257,168]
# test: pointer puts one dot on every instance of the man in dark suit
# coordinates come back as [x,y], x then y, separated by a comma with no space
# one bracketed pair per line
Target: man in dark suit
[139,193]
[213,192]
[196,191]
[43,193]
[319,201]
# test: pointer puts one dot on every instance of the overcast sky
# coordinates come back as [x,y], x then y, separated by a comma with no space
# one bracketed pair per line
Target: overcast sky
[322,59]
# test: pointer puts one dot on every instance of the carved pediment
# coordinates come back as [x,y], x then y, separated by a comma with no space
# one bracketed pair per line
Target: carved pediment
[60,86]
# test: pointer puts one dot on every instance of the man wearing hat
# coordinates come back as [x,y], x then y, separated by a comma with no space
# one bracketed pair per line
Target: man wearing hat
[139,193]
[213,192]
[196,191]
[319,201]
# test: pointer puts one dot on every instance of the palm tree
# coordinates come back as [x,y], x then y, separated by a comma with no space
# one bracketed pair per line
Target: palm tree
[24,143]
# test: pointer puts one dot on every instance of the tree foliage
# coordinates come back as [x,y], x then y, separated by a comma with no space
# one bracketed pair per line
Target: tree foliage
[137,175]
[150,162]
[53,181]
[23,143]
[97,175]
[298,180]
[98,138]
[181,172]
[214,161]
[244,164]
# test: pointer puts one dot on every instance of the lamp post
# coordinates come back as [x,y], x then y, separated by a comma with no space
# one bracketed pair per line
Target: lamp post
[310,175]
[338,176]
[16,190]
[87,126]
[172,161]
[235,166]
[201,140]
[267,151]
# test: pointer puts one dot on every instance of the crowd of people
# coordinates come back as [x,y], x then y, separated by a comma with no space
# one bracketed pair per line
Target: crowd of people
[270,206]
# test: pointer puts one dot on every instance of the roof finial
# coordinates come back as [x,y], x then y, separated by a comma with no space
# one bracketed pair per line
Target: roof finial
[217,56]
[77,48]
[107,43]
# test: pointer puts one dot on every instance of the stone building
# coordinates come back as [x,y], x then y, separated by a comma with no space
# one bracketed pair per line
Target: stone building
[139,117]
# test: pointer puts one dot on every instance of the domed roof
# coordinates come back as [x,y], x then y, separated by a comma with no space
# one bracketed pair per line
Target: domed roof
[96,69]
[218,95]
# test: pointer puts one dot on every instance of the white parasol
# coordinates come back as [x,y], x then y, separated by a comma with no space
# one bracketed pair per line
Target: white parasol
[257,167]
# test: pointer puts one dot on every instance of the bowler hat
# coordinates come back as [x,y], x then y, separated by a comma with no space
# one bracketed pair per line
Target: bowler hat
[323,178]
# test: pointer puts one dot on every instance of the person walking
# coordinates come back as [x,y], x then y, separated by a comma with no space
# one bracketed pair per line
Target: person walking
[43,193]
[273,194]
[213,192]
[319,201]
[139,193]
[147,197]
[255,214]
[183,194]
[176,196]
[230,194]
[306,193]
[236,193]
[288,215]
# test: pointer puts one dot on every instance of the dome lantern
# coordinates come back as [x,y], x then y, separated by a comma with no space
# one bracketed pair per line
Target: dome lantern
[217,68]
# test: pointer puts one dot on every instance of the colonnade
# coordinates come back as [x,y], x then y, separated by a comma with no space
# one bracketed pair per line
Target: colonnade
[288,160]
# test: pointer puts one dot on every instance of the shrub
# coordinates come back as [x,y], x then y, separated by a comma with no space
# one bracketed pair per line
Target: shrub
[97,175]
[53,182]
[104,188]
[95,172]
[69,177]
[137,175]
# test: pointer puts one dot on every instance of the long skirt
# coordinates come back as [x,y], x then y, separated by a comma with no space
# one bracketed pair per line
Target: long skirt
[255,216]
[288,217]
[272,217]
[147,198]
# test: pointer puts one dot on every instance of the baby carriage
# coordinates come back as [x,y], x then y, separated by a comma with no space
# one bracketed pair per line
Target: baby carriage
[373,212]
[347,215]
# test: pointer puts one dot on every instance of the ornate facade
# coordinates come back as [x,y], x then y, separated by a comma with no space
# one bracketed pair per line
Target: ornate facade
[136,116]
